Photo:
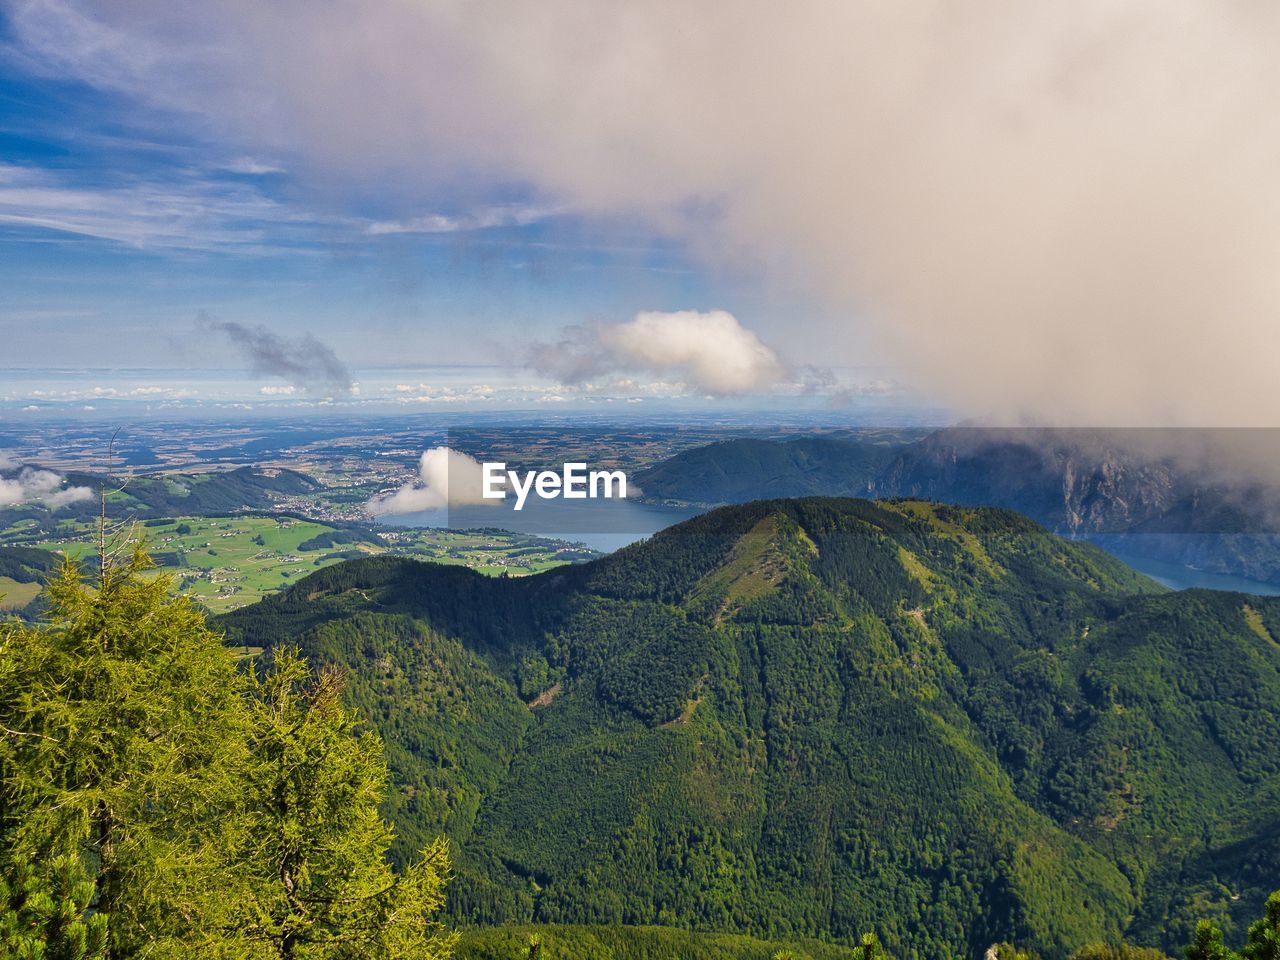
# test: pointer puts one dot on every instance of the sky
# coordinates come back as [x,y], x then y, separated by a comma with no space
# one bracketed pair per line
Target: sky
[132,234]
[1024,211]
[115,219]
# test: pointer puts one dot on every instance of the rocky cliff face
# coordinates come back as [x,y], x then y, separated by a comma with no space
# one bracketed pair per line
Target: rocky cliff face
[1069,480]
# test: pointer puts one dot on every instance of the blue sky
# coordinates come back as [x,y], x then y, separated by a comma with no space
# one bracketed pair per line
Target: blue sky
[120,224]
[125,226]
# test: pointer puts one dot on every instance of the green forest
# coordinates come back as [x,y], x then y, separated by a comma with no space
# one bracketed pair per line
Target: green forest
[804,728]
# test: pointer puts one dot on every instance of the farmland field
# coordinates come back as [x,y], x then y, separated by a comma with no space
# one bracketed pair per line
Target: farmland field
[228,562]
[15,595]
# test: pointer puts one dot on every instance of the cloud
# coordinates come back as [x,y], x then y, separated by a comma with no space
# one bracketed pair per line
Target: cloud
[710,352]
[249,167]
[484,219]
[446,478]
[32,485]
[304,362]
[188,212]
[1065,210]
[204,210]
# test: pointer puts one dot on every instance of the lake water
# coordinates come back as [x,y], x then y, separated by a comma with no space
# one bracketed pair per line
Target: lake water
[602,524]
[1178,577]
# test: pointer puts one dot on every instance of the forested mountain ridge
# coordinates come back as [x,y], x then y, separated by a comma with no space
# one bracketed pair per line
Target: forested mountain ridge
[743,469]
[821,716]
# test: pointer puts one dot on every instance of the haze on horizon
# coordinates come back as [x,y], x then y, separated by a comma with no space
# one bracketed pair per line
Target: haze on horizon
[1027,210]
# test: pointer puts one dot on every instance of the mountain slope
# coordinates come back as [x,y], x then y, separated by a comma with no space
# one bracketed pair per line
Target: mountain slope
[818,717]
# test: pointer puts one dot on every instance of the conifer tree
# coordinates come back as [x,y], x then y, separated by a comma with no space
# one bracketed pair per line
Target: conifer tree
[1264,934]
[870,949]
[43,917]
[1207,944]
[124,723]
[311,847]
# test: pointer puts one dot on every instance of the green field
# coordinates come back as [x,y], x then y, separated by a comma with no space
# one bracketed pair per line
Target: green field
[15,595]
[227,562]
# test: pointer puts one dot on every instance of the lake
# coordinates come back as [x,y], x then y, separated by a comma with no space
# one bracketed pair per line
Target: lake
[1177,577]
[602,524]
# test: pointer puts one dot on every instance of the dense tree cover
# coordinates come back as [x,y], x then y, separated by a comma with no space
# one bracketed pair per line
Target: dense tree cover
[27,564]
[156,800]
[333,538]
[1263,942]
[815,717]
[47,917]
[743,469]
[1121,951]
[561,942]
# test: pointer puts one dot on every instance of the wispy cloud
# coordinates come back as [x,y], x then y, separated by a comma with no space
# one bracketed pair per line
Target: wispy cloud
[205,211]
[250,167]
[191,213]
[483,219]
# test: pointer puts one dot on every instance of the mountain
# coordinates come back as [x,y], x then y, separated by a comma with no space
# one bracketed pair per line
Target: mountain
[816,717]
[740,470]
[1137,493]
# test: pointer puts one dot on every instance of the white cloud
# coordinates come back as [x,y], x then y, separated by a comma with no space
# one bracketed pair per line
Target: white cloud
[446,478]
[710,352]
[483,219]
[278,390]
[32,485]
[61,498]
[251,167]
[188,213]
[425,393]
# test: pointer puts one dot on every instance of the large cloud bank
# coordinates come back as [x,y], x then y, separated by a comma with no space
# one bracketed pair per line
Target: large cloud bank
[710,352]
[1062,209]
